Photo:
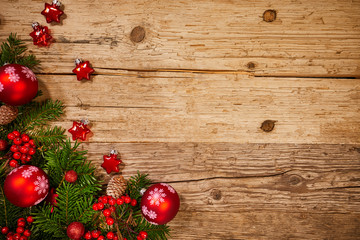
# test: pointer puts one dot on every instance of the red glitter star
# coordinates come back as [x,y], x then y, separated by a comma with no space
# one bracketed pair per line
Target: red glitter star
[82,69]
[79,130]
[111,162]
[51,198]
[41,35]
[52,12]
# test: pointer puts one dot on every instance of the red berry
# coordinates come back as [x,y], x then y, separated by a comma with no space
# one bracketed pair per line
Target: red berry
[112,208]
[11,136]
[17,155]
[4,230]
[127,199]
[95,233]
[32,151]
[116,238]
[109,221]
[101,237]
[112,201]
[23,157]
[16,133]
[119,201]
[87,235]
[100,206]
[13,163]
[133,202]
[20,229]
[14,148]
[139,237]
[143,234]
[25,137]
[104,200]
[107,212]
[23,238]
[32,142]
[3,145]
[30,219]
[110,235]
[27,145]
[28,158]
[95,207]
[17,141]
[21,224]
[27,233]
[71,176]
[16,236]
[24,149]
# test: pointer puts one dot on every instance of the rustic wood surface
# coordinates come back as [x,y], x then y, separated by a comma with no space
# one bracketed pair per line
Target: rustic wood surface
[182,88]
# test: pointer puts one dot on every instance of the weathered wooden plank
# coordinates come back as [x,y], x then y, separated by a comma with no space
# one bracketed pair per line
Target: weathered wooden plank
[253,224]
[181,107]
[308,38]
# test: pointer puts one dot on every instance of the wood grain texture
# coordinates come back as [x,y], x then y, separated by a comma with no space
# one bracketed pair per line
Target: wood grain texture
[181,89]
[308,38]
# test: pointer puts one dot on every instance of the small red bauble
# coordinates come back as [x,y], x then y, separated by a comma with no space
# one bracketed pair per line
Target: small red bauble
[79,130]
[3,144]
[143,234]
[30,219]
[52,12]
[111,162]
[4,230]
[18,85]
[71,176]
[160,203]
[41,35]
[82,70]
[75,230]
[110,235]
[26,186]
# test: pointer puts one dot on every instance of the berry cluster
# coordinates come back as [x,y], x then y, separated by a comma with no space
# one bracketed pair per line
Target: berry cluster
[106,204]
[22,149]
[21,232]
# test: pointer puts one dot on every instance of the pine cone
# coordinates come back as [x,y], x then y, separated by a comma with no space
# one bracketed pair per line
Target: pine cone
[116,186]
[8,114]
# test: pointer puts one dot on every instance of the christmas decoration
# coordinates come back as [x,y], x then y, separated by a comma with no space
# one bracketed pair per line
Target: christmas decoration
[116,186]
[80,130]
[26,186]
[23,148]
[52,11]
[21,232]
[75,230]
[3,144]
[41,35]
[111,162]
[160,203]
[71,176]
[8,114]
[18,84]
[82,70]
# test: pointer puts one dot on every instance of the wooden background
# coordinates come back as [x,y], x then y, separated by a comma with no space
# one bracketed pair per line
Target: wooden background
[186,103]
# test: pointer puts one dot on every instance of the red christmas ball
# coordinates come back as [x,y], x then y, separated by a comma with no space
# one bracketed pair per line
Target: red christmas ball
[71,176]
[3,144]
[75,230]
[160,203]
[18,84]
[26,186]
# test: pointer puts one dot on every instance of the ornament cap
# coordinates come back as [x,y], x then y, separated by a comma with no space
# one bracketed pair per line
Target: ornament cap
[85,121]
[56,2]
[142,191]
[113,152]
[35,25]
[78,61]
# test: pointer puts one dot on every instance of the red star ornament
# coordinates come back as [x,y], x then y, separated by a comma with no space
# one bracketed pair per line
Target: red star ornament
[52,11]
[82,70]
[51,198]
[79,130]
[111,162]
[41,35]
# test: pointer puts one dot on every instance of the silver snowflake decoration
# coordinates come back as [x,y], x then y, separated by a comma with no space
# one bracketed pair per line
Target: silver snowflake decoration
[26,174]
[1,87]
[12,75]
[171,189]
[28,73]
[42,185]
[156,196]
[151,214]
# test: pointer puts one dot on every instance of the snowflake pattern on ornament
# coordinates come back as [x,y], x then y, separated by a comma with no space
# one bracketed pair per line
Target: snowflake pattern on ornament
[151,214]
[42,185]
[33,169]
[153,223]
[15,170]
[1,87]
[171,189]
[26,174]
[12,75]
[28,73]
[156,196]
[39,201]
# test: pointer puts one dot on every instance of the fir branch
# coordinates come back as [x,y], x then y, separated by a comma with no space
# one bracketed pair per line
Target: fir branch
[12,51]
[136,183]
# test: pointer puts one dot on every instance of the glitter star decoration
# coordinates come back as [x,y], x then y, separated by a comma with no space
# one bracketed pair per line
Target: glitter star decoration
[52,11]
[41,35]
[111,162]
[79,130]
[82,69]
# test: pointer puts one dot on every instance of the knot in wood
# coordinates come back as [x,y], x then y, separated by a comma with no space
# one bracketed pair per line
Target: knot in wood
[269,15]
[268,125]
[294,180]
[216,194]
[137,34]
[251,65]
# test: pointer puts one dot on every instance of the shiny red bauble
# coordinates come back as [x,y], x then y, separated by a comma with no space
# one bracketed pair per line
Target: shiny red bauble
[160,203]
[26,186]
[18,84]
[75,230]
